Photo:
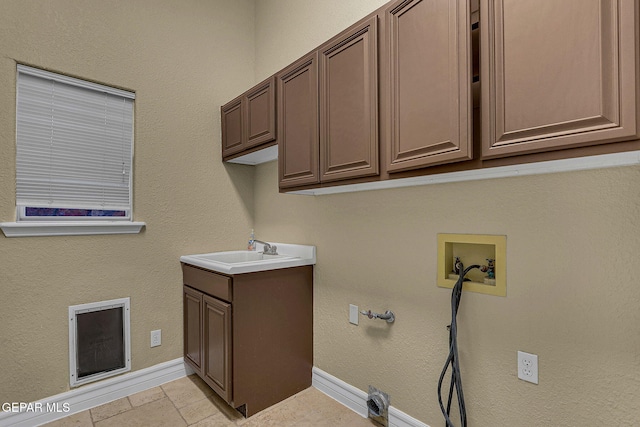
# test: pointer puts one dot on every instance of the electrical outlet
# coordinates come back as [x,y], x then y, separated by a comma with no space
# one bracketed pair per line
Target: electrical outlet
[353,314]
[528,367]
[156,338]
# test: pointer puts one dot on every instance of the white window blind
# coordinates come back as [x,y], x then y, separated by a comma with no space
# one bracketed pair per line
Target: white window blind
[74,144]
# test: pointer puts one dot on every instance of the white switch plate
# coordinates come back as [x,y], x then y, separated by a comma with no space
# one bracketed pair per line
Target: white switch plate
[156,338]
[528,367]
[353,314]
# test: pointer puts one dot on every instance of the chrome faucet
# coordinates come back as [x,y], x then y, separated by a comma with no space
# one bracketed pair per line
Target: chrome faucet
[268,249]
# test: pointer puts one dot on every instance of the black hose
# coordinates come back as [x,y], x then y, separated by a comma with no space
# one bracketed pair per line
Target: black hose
[452,359]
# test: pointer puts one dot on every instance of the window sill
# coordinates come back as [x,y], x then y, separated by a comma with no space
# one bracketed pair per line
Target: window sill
[69,228]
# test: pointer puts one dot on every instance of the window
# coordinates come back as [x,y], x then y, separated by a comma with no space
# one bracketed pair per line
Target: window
[74,154]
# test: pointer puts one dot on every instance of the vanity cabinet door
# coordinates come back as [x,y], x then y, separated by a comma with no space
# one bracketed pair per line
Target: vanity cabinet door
[193,338]
[349,103]
[217,346]
[428,86]
[557,74]
[298,143]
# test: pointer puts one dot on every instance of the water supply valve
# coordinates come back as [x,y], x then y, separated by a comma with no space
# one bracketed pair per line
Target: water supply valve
[387,315]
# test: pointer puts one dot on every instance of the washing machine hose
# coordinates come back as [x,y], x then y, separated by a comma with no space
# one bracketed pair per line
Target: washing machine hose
[452,359]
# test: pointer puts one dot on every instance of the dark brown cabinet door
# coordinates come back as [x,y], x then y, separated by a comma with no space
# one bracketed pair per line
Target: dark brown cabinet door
[557,74]
[298,123]
[429,116]
[349,104]
[217,346]
[232,127]
[192,311]
[260,113]
[249,120]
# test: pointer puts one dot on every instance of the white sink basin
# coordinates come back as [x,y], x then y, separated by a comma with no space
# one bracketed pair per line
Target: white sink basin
[233,257]
[236,262]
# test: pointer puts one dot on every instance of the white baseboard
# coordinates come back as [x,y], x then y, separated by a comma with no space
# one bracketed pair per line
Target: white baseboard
[95,394]
[356,399]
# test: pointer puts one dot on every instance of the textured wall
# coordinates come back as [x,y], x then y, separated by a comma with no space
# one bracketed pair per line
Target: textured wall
[287,29]
[572,296]
[183,59]
[571,238]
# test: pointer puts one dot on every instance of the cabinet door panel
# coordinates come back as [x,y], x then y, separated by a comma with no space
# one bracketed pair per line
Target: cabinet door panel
[557,74]
[192,309]
[430,83]
[232,127]
[349,104]
[217,343]
[260,114]
[298,123]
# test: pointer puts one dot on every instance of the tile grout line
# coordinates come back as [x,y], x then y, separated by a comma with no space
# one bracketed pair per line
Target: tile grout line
[186,423]
[174,405]
[93,423]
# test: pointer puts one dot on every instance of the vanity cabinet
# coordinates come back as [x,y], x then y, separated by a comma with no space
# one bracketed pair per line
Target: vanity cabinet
[250,336]
[207,339]
[249,121]
[557,75]
[429,117]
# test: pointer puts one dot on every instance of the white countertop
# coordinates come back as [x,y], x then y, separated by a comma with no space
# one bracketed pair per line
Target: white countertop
[243,261]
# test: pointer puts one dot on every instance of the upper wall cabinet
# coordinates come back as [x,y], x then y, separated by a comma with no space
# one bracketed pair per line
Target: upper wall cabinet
[429,89]
[249,121]
[393,96]
[298,123]
[557,74]
[328,111]
[349,103]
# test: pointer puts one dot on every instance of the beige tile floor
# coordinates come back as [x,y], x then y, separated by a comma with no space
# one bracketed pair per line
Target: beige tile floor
[189,401]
